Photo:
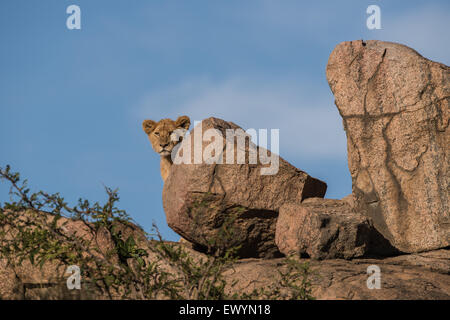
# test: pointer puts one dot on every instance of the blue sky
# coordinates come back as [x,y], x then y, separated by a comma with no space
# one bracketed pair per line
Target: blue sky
[72,101]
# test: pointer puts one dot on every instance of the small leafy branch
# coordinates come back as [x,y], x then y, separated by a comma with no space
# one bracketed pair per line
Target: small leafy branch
[117,259]
[297,279]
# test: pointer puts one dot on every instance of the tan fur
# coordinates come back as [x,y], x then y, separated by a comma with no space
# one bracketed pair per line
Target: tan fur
[159,134]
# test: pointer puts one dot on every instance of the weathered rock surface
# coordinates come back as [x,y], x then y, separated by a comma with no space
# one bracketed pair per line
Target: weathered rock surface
[412,276]
[326,229]
[395,108]
[199,198]
[28,281]
[424,276]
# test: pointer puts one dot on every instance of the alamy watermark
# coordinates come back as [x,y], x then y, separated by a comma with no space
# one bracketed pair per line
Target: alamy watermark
[374,280]
[374,20]
[74,280]
[193,151]
[74,20]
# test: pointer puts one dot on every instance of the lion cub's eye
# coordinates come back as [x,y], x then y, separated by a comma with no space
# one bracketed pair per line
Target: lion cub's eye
[156,133]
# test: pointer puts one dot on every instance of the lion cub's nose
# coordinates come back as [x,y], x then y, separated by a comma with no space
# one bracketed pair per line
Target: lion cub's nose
[164,145]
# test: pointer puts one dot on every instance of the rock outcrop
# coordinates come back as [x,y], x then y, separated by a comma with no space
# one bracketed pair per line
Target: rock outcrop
[412,276]
[424,276]
[24,279]
[29,280]
[199,199]
[395,108]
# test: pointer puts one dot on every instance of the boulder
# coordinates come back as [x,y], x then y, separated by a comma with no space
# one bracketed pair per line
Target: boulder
[235,203]
[322,229]
[395,109]
[327,229]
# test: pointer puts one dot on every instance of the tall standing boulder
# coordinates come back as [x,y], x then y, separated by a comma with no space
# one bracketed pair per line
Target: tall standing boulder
[395,108]
[234,203]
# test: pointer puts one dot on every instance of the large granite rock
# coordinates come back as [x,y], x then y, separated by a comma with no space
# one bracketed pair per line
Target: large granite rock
[395,108]
[200,199]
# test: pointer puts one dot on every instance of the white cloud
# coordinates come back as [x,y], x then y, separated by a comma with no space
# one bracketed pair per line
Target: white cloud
[310,126]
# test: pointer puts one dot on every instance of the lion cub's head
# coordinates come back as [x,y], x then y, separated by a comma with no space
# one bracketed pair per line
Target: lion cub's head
[166,134]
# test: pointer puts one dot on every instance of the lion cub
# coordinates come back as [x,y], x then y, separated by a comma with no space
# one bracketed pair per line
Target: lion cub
[164,138]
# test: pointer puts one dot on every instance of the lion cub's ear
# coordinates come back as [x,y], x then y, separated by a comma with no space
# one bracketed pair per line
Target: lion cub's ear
[148,126]
[183,122]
